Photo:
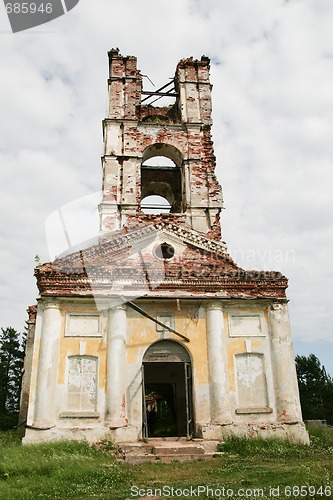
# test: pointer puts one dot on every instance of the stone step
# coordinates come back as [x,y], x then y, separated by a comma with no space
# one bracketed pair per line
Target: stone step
[134,448]
[170,458]
[178,449]
[167,450]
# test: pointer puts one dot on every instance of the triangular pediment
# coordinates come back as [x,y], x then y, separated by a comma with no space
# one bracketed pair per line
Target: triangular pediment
[120,245]
[134,263]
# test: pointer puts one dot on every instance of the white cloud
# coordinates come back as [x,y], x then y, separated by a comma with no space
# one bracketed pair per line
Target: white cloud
[272,102]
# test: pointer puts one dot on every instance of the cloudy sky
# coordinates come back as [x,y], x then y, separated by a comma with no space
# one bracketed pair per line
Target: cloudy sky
[272,72]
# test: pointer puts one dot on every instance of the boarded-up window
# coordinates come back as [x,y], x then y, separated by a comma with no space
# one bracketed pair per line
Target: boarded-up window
[251,381]
[243,325]
[82,383]
[83,325]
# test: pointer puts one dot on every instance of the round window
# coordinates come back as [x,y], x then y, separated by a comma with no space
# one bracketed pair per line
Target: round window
[165,251]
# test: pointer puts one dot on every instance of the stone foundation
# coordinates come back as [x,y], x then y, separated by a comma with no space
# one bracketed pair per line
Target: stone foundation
[293,431]
[91,435]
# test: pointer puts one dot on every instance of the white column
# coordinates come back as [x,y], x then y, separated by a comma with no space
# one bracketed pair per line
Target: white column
[286,386]
[116,368]
[46,396]
[217,363]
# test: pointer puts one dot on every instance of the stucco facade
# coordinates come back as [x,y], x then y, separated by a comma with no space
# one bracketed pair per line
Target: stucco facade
[155,331]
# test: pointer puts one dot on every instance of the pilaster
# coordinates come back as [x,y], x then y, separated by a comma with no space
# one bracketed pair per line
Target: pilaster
[286,387]
[217,363]
[116,360]
[48,366]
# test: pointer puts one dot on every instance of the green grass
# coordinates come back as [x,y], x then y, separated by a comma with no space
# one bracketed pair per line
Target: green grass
[321,444]
[65,469]
[75,470]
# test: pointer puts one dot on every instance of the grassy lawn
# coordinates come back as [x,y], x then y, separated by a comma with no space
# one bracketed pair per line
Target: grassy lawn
[74,470]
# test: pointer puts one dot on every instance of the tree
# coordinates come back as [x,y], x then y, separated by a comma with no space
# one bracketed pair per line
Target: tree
[11,370]
[316,389]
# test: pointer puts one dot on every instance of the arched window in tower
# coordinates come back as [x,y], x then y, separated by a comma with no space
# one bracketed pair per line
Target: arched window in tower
[161,180]
[155,204]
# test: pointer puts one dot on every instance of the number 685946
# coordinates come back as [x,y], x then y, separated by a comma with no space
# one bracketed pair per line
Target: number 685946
[28,8]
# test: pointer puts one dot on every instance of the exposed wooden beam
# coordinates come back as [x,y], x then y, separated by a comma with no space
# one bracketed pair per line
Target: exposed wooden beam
[146,315]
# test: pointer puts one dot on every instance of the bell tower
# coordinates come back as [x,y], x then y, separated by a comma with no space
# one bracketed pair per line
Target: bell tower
[157,317]
[159,161]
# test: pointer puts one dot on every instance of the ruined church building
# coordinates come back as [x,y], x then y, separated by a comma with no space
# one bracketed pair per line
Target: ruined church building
[155,331]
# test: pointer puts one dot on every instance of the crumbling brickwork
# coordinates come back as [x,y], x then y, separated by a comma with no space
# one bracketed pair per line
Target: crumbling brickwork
[199,268]
[131,128]
[161,283]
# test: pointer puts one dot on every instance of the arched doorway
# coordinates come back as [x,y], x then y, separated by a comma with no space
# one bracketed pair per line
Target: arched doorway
[167,391]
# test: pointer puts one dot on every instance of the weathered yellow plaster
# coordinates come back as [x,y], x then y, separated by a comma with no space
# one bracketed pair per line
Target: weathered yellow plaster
[142,332]
[70,346]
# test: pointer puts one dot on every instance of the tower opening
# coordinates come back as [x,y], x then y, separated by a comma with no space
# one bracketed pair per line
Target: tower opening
[161,180]
[155,204]
[159,161]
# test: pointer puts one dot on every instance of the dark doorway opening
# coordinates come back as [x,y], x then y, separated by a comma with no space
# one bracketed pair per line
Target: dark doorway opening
[161,407]
[167,399]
